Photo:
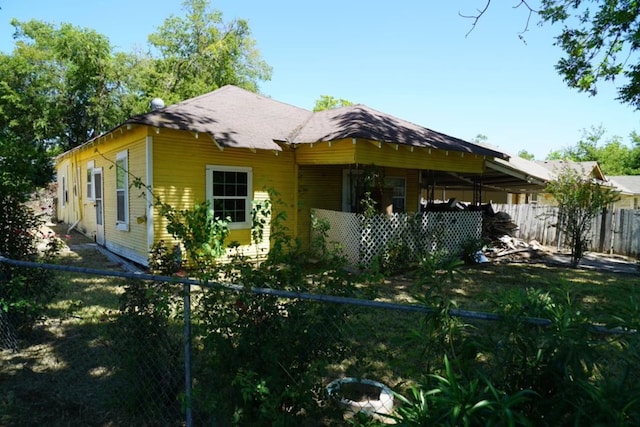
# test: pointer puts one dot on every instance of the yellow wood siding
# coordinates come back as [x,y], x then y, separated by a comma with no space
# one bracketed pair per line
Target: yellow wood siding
[134,239]
[102,152]
[180,160]
[389,155]
[319,187]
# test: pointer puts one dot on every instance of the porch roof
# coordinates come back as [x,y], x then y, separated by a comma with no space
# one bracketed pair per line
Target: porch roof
[513,175]
[626,184]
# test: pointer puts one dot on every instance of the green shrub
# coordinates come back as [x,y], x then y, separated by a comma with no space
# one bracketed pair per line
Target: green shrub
[24,292]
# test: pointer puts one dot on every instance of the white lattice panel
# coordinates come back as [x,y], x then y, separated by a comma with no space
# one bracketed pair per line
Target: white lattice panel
[447,231]
[344,230]
[362,239]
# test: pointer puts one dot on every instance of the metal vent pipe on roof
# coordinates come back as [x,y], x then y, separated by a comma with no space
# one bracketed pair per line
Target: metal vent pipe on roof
[156,104]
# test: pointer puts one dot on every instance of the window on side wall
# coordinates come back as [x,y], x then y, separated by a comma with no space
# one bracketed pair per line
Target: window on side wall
[90,188]
[398,190]
[65,191]
[229,192]
[122,191]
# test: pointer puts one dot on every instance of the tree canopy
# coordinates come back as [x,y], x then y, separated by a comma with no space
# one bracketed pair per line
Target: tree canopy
[58,86]
[600,40]
[63,85]
[200,52]
[327,102]
[611,153]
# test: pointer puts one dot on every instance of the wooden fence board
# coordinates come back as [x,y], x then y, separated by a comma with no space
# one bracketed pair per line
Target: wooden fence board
[614,231]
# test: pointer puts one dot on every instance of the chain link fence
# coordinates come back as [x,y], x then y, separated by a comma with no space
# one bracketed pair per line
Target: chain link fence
[119,348]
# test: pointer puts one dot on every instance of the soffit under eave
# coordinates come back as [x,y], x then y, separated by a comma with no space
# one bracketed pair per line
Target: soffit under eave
[102,138]
[359,151]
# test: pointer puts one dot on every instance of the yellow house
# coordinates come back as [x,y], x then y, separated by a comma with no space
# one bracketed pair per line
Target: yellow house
[629,188]
[589,170]
[231,147]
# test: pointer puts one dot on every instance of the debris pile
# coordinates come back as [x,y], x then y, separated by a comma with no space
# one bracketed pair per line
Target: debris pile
[511,249]
[498,230]
[496,225]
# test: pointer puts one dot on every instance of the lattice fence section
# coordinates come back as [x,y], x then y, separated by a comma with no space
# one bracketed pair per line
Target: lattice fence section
[363,239]
[344,231]
[383,231]
[448,231]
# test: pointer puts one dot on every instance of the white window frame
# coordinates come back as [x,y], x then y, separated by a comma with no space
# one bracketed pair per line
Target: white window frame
[91,196]
[64,191]
[389,183]
[122,224]
[248,199]
[349,176]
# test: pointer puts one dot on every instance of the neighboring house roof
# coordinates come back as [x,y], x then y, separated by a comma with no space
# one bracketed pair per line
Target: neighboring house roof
[626,184]
[238,118]
[590,169]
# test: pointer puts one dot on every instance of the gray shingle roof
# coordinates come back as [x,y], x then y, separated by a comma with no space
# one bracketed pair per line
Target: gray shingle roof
[234,117]
[360,121]
[627,184]
[585,169]
[239,118]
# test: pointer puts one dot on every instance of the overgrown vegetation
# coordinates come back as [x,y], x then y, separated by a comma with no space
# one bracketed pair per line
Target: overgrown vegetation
[258,359]
[579,201]
[515,372]
[24,292]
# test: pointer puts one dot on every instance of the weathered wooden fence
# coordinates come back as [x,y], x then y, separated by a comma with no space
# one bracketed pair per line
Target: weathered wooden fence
[614,231]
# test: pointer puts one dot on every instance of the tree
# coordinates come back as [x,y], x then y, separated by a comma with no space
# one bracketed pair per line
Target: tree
[634,154]
[480,139]
[327,102]
[199,53]
[526,155]
[614,157]
[579,201]
[600,40]
[59,86]
[63,85]
[599,46]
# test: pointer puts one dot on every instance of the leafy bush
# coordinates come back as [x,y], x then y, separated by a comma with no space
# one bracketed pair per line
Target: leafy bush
[24,292]
[262,358]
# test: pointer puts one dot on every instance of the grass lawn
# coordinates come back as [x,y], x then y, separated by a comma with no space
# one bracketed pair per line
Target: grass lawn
[483,287]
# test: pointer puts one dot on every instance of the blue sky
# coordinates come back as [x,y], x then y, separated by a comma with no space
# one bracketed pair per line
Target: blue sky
[412,59]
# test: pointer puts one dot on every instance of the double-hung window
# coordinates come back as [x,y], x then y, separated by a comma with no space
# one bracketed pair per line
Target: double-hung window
[90,188]
[122,191]
[229,191]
